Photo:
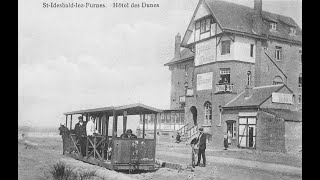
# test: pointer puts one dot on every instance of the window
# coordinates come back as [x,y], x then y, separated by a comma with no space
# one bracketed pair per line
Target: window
[141,119]
[247,132]
[198,25]
[162,117]
[300,99]
[207,113]
[273,26]
[249,78]
[293,99]
[208,24]
[278,53]
[186,70]
[251,50]
[168,120]
[224,76]
[182,105]
[293,31]
[151,119]
[182,118]
[225,47]
[277,80]
[300,80]
[232,128]
[204,25]
[300,51]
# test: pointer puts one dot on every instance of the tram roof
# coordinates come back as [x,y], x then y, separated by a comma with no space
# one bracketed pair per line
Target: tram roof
[132,109]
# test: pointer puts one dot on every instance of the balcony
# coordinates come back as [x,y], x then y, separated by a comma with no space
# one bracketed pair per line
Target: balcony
[224,88]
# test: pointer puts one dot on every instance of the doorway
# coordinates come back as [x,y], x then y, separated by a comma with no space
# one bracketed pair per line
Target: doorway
[247,132]
[194,115]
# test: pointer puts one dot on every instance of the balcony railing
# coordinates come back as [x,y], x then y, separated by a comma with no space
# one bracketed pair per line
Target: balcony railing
[224,88]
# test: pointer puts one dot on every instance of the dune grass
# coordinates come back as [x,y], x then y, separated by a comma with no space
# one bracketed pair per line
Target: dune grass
[61,171]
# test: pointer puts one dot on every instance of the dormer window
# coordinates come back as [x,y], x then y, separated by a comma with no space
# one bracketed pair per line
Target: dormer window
[204,25]
[273,26]
[293,31]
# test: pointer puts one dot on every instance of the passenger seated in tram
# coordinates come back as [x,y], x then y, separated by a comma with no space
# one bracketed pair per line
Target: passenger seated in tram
[128,134]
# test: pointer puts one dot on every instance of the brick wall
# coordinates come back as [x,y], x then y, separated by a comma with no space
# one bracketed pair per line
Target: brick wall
[293,136]
[178,78]
[270,133]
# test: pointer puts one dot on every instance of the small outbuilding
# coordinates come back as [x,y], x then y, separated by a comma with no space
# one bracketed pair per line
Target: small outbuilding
[263,118]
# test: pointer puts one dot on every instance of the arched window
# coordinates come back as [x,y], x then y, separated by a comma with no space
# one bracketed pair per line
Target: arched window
[207,113]
[249,78]
[277,80]
[300,80]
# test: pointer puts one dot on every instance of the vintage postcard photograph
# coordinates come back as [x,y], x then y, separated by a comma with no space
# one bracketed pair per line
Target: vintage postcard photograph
[159,89]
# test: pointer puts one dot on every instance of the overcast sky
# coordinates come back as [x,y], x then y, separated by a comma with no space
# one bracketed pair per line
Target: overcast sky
[71,59]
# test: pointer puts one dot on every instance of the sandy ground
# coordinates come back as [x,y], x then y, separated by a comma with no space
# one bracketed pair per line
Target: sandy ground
[37,153]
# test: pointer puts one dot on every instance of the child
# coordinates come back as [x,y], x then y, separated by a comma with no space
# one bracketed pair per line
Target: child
[195,150]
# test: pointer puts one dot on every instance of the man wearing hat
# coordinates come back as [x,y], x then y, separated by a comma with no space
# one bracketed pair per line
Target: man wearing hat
[80,131]
[201,144]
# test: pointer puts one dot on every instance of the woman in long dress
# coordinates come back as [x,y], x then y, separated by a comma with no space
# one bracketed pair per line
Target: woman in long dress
[225,141]
[229,138]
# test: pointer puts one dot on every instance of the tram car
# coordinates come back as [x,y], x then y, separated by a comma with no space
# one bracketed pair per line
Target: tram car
[108,149]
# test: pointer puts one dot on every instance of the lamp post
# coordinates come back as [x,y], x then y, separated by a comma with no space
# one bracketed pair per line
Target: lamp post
[220,109]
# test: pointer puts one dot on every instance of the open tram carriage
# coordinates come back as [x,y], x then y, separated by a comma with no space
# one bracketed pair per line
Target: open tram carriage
[107,149]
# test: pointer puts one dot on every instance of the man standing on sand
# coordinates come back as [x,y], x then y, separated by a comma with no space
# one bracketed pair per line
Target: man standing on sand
[201,143]
[80,130]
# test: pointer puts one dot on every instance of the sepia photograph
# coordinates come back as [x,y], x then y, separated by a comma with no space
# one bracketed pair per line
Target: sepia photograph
[159,89]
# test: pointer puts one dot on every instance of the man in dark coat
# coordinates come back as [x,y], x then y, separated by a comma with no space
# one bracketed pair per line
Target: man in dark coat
[201,143]
[80,131]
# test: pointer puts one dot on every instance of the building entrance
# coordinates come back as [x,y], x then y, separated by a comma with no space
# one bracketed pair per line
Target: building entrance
[194,115]
[247,132]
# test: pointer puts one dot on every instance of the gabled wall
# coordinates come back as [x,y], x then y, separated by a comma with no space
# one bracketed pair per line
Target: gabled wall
[195,35]
[269,104]
[290,65]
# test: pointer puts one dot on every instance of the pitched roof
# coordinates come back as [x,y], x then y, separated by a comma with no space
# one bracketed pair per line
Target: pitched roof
[286,114]
[259,95]
[185,54]
[240,18]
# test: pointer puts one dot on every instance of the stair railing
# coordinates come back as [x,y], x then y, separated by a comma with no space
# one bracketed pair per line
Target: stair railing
[183,130]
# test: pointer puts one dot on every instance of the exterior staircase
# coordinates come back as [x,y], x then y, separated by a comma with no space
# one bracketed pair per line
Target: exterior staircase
[188,134]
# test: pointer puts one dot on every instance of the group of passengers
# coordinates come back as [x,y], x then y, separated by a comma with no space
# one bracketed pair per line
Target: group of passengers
[83,129]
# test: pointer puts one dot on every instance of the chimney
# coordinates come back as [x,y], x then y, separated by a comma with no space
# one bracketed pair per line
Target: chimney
[257,16]
[258,7]
[177,46]
[248,91]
